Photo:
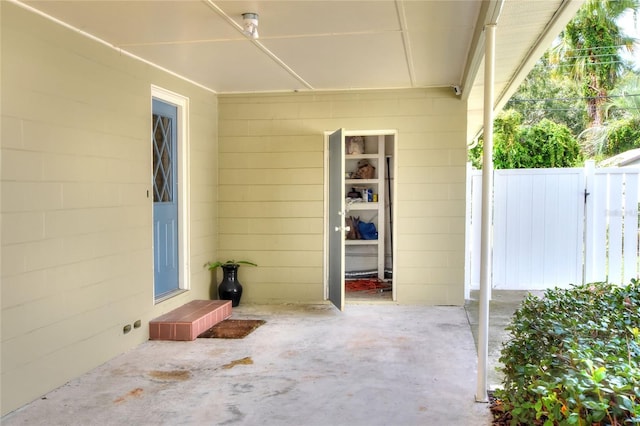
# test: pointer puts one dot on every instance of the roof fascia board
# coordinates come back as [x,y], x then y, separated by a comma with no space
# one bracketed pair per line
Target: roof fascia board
[489,14]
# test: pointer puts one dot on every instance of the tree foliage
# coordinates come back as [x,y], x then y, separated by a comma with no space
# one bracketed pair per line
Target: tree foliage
[589,51]
[625,102]
[546,94]
[544,144]
[621,131]
[622,135]
[581,88]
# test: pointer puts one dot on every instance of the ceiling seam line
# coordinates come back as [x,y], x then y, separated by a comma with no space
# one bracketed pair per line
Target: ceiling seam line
[284,37]
[256,43]
[405,40]
[109,45]
[282,64]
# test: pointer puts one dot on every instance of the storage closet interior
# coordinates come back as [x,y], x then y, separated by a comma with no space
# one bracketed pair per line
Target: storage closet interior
[369,205]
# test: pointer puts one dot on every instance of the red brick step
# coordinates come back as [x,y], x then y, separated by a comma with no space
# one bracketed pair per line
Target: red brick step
[189,320]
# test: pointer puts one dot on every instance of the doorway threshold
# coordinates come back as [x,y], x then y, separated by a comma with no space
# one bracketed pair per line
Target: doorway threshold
[370,302]
[368,296]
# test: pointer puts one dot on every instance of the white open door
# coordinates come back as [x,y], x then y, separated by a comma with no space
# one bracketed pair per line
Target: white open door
[336,212]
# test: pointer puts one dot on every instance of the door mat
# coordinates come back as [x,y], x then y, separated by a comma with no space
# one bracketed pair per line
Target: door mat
[231,329]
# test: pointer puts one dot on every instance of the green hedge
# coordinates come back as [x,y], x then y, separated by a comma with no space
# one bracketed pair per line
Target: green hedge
[573,357]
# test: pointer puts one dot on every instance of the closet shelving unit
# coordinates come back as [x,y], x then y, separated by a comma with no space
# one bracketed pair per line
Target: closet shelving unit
[369,211]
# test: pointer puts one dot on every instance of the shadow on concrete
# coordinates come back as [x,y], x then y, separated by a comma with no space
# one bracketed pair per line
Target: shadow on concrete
[501,308]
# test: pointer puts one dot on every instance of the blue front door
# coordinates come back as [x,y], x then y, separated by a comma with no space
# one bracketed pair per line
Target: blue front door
[165,198]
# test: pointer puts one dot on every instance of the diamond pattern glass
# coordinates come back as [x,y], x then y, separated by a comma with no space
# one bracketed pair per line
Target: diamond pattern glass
[162,153]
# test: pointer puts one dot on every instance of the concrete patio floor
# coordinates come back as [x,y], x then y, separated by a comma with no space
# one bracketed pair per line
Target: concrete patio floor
[374,364]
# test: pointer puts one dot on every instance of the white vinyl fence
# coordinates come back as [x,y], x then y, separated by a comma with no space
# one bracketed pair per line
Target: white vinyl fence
[556,227]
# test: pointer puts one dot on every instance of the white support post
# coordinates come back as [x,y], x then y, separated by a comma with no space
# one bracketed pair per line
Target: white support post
[467,234]
[487,215]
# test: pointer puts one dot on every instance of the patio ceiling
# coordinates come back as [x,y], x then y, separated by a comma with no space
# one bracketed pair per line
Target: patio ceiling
[327,45]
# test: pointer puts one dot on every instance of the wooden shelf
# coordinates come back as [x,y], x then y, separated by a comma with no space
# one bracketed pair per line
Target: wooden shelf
[361,242]
[360,156]
[355,182]
[363,206]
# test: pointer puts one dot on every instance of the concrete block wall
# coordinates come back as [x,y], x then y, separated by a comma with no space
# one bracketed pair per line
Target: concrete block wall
[76,240]
[272,188]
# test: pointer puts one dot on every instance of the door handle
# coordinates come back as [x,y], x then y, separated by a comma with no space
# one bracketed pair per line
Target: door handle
[343,228]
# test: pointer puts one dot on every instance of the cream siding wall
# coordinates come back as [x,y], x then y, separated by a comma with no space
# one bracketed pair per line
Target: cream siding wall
[272,189]
[76,220]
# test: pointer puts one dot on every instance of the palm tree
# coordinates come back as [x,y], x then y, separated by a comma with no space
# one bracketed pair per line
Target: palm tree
[622,129]
[627,100]
[589,51]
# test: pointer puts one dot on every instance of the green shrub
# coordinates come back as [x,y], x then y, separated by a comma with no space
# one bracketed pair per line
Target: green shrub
[623,135]
[573,357]
[517,146]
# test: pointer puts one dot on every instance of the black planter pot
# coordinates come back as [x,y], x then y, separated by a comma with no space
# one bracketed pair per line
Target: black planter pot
[230,288]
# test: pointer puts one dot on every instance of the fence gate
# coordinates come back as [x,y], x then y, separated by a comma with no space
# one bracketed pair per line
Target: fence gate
[556,227]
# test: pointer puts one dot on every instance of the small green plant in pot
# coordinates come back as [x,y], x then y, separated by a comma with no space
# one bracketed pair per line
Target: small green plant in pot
[229,288]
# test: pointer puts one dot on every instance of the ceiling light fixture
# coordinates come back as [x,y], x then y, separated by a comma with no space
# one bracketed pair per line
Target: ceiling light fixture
[250,24]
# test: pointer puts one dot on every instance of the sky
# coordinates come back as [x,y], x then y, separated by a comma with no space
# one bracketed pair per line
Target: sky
[632,28]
